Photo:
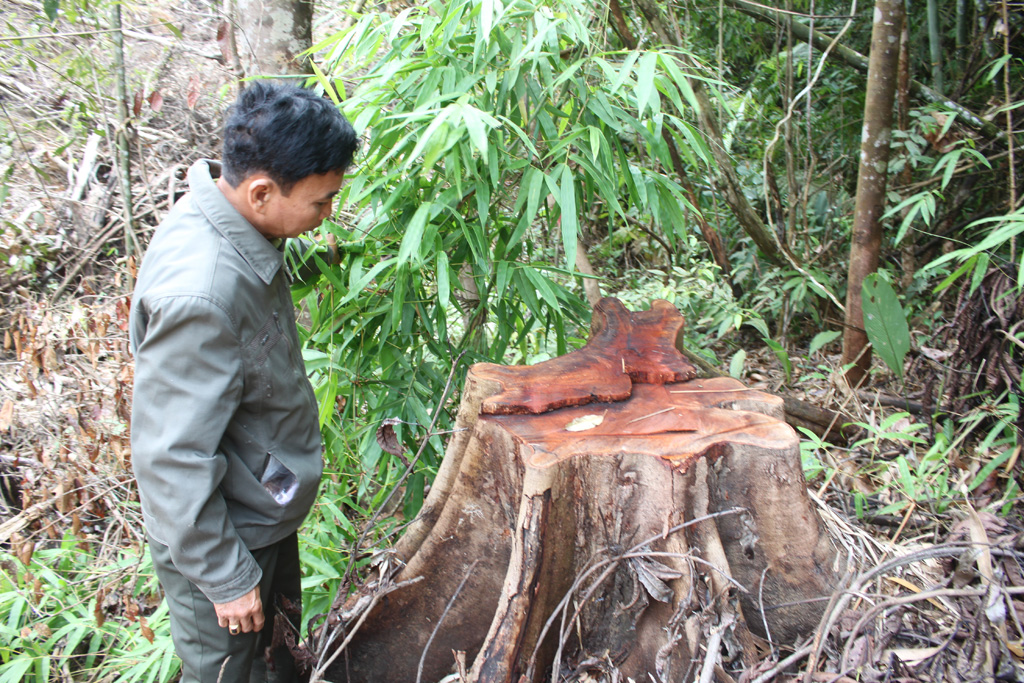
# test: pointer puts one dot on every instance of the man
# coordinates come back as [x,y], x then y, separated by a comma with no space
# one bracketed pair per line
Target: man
[225,437]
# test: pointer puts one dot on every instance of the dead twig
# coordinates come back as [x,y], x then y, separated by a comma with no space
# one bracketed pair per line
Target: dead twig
[437,626]
[317,675]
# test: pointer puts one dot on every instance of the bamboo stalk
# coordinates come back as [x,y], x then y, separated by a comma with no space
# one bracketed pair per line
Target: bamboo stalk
[123,148]
[1009,125]
[935,45]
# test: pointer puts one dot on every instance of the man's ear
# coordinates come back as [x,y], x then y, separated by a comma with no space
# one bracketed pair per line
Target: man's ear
[259,192]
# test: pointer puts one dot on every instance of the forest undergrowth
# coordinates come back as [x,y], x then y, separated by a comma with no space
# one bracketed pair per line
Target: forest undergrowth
[915,477]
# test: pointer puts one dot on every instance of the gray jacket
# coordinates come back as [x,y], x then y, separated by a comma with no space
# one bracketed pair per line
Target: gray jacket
[225,434]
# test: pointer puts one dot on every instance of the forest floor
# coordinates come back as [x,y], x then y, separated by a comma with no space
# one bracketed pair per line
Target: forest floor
[934,588]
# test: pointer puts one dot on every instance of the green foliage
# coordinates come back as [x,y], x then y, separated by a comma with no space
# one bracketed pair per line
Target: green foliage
[974,259]
[63,612]
[821,340]
[494,135]
[884,322]
[698,290]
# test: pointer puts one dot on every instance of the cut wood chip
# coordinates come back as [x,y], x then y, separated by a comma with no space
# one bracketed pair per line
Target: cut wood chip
[915,655]
[6,415]
[585,422]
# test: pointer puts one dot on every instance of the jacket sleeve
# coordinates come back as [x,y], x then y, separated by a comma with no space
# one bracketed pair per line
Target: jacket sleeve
[188,384]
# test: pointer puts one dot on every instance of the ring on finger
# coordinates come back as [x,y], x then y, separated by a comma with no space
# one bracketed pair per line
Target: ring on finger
[233,629]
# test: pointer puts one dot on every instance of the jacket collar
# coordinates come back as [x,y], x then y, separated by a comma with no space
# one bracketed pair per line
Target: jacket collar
[262,256]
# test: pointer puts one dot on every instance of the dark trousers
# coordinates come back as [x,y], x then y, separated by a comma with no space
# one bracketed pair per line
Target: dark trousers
[209,654]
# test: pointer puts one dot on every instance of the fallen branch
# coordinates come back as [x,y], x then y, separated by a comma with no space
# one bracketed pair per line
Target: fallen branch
[22,520]
[894,402]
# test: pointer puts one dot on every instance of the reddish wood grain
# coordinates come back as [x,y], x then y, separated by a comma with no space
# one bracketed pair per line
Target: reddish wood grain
[624,348]
[674,422]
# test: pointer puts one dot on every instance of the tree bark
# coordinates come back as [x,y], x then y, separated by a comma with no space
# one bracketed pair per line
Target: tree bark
[601,509]
[871,179]
[272,35]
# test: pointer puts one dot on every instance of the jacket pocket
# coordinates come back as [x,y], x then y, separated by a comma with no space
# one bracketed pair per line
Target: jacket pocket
[258,353]
[279,481]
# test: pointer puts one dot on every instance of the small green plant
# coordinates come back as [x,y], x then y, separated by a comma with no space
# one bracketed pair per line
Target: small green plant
[885,322]
[812,448]
[64,612]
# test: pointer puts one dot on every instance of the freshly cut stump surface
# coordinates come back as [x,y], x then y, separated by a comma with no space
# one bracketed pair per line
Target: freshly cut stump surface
[601,510]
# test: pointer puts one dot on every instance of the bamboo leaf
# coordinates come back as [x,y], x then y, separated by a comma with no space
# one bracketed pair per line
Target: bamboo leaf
[736,364]
[885,322]
[625,71]
[414,233]
[680,79]
[951,159]
[595,140]
[486,18]
[325,84]
[443,285]
[357,288]
[570,221]
[780,352]
[543,286]
[475,126]
[645,91]
[822,339]
[424,138]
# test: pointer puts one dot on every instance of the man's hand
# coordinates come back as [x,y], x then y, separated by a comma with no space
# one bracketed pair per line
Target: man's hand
[242,615]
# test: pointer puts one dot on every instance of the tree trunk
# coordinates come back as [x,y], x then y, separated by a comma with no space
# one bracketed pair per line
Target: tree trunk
[871,178]
[272,34]
[599,511]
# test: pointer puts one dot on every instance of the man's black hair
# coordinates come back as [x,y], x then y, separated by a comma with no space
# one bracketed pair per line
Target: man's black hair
[286,132]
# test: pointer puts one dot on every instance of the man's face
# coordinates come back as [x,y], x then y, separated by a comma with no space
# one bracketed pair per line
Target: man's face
[303,209]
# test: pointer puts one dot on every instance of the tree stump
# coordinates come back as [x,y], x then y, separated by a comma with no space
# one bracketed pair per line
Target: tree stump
[602,509]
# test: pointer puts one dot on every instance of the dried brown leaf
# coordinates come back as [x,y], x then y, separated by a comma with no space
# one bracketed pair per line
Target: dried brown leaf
[655,587]
[194,90]
[914,655]
[137,104]
[660,570]
[585,422]
[224,40]
[97,611]
[25,552]
[156,101]
[131,608]
[388,440]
